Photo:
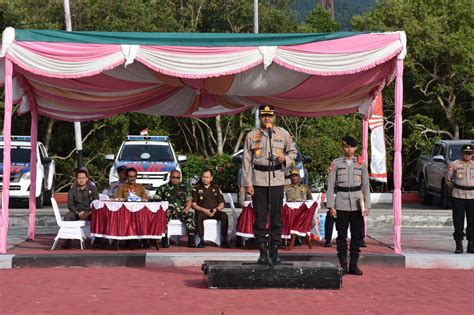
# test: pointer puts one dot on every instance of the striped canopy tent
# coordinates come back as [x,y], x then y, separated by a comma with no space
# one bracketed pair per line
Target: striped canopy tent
[83,76]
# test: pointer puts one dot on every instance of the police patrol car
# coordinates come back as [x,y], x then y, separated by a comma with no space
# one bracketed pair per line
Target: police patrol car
[152,156]
[21,167]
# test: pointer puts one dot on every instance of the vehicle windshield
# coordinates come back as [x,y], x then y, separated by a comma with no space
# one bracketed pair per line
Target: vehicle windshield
[19,154]
[455,152]
[146,152]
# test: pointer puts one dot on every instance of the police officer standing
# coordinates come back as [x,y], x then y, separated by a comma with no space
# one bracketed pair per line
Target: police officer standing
[461,182]
[268,150]
[297,191]
[349,180]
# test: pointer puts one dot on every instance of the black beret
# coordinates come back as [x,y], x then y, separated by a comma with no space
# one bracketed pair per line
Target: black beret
[266,110]
[121,168]
[348,140]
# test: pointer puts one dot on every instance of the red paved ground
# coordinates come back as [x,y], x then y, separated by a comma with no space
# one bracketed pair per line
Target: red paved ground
[43,243]
[178,290]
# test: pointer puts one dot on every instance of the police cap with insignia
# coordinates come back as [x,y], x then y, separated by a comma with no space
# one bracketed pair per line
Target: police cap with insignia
[294,171]
[348,140]
[266,110]
[468,148]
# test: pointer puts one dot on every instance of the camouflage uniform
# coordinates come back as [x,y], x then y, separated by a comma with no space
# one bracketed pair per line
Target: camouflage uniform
[177,196]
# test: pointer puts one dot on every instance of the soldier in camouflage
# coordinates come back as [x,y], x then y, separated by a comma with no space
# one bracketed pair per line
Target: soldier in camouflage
[180,198]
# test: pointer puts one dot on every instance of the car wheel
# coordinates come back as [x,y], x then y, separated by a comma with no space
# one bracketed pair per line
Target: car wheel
[49,194]
[426,198]
[445,199]
[40,199]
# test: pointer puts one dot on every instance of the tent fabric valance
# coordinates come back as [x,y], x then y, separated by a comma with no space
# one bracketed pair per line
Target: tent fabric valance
[78,81]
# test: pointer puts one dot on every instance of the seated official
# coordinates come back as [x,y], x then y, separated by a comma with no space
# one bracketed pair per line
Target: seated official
[296,191]
[122,176]
[179,195]
[79,198]
[131,191]
[208,202]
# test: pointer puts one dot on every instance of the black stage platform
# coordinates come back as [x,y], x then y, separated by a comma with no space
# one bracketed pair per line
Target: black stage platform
[289,275]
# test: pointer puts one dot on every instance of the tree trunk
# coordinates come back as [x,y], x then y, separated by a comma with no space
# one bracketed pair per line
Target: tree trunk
[220,142]
[49,131]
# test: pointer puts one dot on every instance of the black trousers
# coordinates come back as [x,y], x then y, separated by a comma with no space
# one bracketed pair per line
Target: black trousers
[70,216]
[329,225]
[355,220]
[219,216]
[463,208]
[260,205]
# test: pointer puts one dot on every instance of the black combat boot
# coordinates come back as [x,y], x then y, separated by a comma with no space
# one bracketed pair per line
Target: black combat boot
[343,263]
[238,242]
[274,254]
[459,248]
[362,243]
[191,243]
[327,243]
[353,268]
[470,247]
[263,259]
[165,243]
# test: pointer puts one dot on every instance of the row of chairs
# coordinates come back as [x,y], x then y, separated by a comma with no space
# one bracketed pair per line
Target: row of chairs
[80,230]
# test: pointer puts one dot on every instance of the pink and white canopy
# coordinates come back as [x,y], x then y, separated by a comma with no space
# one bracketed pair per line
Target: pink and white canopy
[82,76]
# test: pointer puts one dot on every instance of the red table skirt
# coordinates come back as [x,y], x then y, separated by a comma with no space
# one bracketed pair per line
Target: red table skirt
[124,224]
[297,221]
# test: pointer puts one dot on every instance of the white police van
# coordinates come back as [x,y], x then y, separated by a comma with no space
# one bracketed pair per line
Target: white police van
[20,171]
[152,156]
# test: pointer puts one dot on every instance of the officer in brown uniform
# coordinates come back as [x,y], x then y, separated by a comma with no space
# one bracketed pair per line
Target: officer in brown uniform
[208,202]
[297,191]
[461,182]
[349,180]
[263,175]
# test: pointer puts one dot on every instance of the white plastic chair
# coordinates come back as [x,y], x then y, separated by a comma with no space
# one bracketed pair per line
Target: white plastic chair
[235,216]
[73,230]
[176,228]
[212,232]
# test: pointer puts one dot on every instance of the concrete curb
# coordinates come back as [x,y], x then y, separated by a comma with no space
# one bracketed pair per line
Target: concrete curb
[439,261]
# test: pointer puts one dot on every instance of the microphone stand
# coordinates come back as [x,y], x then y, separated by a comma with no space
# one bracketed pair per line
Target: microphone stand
[271,166]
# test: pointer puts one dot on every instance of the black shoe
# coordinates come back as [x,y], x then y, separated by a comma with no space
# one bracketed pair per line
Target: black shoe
[298,241]
[363,244]
[165,243]
[191,243]
[201,244]
[66,244]
[263,258]
[470,247]
[238,242]
[225,243]
[99,242]
[459,248]
[274,254]
[354,270]
[145,244]
[343,263]
[328,244]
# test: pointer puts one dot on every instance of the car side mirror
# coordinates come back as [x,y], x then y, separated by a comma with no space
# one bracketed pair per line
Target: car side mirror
[46,160]
[110,157]
[307,159]
[182,158]
[438,158]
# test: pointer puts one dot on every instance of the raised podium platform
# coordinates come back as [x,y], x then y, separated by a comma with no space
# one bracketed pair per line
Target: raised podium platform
[289,275]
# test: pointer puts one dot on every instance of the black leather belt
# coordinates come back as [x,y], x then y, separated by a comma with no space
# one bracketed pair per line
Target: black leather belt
[266,168]
[463,187]
[348,189]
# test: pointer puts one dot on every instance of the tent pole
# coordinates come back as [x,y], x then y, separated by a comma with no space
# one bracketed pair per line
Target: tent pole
[365,154]
[7,132]
[255,31]
[397,164]
[33,162]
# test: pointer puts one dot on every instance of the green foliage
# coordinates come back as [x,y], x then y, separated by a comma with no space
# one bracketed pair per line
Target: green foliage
[319,21]
[224,171]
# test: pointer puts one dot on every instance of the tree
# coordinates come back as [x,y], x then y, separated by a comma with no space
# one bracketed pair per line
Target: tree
[320,21]
[439,65]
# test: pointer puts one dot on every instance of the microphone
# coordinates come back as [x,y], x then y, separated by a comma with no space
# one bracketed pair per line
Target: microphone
[269,129]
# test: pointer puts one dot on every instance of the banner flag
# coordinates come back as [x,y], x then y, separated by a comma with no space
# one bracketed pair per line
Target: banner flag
[378,165]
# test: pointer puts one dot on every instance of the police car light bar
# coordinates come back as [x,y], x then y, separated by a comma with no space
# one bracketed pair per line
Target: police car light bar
[17,138]
[150,138]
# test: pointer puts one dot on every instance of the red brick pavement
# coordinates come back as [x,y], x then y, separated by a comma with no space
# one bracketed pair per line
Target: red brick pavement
[178,290]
